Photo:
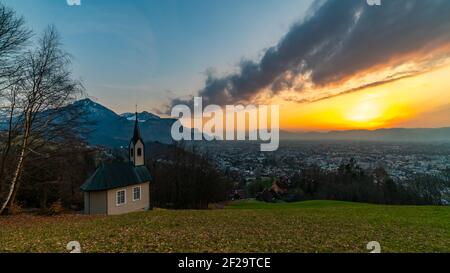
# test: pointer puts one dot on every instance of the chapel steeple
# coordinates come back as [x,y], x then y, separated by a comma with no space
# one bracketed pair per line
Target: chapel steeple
[137,130]
[137,146]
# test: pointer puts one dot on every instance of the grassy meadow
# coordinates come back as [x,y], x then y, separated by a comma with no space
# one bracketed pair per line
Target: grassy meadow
[247,226]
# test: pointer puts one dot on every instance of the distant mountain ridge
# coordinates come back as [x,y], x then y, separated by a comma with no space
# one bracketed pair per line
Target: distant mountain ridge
[391,135]
[110,129]
[113,130]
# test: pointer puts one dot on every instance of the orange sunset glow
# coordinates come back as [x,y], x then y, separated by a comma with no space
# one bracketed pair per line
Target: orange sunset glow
[400,103]
[345,66]
[370,72]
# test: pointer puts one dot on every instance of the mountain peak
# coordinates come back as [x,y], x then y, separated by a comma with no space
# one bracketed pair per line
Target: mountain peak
[89,103]
[86,101]
[143,116]
[113,130]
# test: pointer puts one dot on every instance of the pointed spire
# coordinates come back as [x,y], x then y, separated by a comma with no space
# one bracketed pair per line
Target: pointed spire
[137,131]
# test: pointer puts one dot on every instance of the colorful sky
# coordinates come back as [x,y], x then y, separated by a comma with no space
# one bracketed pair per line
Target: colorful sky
[329,64]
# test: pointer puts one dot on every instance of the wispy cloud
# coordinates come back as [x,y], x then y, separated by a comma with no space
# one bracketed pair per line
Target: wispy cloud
[338,41]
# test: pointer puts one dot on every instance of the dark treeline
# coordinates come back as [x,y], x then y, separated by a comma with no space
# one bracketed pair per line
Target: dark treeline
[184,179]
[351,183]
[50,180]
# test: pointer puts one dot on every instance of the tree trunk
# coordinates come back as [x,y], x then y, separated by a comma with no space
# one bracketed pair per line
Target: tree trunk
[15,182]
[8,144]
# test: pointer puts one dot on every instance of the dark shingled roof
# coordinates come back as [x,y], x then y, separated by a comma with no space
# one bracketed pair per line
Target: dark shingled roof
[116,175]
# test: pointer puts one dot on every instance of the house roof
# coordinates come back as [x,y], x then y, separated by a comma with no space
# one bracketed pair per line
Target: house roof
[116,175]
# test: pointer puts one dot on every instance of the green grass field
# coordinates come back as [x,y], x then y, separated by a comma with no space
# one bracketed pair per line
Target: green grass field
[249,226]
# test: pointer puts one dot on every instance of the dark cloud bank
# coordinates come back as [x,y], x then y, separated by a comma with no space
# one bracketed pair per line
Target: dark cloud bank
[338,39]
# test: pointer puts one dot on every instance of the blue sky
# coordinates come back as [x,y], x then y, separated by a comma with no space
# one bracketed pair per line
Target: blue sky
[148,51]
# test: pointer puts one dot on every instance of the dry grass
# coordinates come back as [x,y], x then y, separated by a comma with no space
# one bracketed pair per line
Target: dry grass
[318,226]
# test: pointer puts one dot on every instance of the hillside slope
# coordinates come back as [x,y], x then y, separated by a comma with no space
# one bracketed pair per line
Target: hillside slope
[317,226]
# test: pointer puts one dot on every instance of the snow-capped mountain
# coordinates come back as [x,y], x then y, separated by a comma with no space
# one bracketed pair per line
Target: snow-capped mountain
[143,116]
[113,130]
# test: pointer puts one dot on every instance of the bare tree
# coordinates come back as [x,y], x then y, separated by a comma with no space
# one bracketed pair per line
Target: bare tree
[13,38]
[44,94]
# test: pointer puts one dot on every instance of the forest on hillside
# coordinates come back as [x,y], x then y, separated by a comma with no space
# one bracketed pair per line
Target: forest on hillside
[352,183]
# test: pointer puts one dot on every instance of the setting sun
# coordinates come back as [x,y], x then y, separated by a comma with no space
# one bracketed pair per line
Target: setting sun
[389,105]
[366,111]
